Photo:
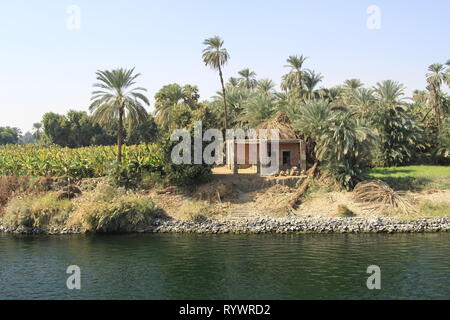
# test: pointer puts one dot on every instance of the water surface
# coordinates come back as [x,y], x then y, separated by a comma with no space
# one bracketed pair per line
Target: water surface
[180,266]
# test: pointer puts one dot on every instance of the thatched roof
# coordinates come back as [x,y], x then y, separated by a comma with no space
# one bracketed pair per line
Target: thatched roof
[281,122]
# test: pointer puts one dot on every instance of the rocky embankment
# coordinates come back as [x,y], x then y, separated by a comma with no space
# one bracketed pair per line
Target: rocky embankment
[263,225]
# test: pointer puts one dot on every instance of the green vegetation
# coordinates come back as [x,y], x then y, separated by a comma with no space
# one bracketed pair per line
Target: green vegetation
[116,100]
[85,162]
[105,209]
[109,209]
[37,211]
[430,209]
[347,129]
[413,177]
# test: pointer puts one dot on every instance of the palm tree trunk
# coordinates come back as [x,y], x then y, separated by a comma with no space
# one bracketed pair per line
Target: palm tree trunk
[120,137]
[224,98]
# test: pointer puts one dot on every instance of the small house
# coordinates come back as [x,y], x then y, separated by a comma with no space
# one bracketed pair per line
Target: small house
[289,150]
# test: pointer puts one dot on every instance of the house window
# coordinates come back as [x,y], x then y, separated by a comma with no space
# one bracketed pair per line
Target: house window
[286,157]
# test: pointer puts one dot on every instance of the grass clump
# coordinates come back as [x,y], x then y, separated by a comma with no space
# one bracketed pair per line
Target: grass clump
[434,209]
[344,211]
[111,209]
[197,211]
[37,211]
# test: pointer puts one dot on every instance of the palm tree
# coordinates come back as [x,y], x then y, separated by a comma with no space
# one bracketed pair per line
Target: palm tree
[171,95]
[311,80]
[294,79]
[215,56]
[165,100]
[266,86]
[353,84]
[257,109]
[435,77]
[37,130]
[390,93]
[248,78]
[362,101]
[117,100]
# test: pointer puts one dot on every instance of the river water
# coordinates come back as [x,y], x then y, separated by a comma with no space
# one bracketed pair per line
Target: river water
[182,266]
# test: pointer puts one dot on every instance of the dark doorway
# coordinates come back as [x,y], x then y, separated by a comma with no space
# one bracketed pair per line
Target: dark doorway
[286,157]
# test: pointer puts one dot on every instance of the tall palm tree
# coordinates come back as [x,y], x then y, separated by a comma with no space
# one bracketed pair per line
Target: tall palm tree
[117,100]
[215,56]
[294,79]
[311,79]
[435,77]
[248,78]
[37,130]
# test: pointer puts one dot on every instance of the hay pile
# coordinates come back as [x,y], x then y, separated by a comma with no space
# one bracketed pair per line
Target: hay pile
[281,123]
[380,193]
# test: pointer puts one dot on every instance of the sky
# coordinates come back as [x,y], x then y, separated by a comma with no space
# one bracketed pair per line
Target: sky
[48,60]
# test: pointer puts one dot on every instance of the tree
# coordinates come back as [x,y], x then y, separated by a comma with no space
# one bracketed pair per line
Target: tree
[266,87]
[400,135]
[435,77]
[311,79]
[215,56]
[248,80]
[76,129]
[9,135]
[172,95]
[294,79]
[37,130]
[345,146]
[257,109]
[118,101]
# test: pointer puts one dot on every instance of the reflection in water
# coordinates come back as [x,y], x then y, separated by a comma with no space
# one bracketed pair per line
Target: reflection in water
[175,266]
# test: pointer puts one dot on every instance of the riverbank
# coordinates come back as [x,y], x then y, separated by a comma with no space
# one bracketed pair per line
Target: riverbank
[269,225]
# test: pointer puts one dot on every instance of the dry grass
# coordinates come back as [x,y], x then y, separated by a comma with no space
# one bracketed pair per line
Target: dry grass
[281,123]
[379,193]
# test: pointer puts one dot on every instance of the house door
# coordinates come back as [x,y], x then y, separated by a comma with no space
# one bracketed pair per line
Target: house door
[286,157]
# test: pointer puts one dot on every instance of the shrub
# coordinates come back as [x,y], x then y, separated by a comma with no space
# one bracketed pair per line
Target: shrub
[197,211]
[37,211]
[10,185]
[344,211]
[433,209]
[110,209]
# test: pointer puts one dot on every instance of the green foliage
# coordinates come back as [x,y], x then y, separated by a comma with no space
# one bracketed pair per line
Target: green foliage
[443,140]
[413,177]
[434,209]
[110,209]
[37,211]
[85,162]
[74,130]
[400,135]
[339,140]
[9,135]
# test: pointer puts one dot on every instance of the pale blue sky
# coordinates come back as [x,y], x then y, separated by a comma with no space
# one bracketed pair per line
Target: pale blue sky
[47,67]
